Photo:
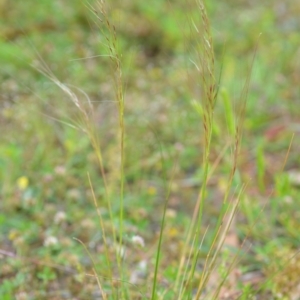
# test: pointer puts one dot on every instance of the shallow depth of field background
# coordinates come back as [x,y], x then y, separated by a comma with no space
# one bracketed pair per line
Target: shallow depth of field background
[46,198]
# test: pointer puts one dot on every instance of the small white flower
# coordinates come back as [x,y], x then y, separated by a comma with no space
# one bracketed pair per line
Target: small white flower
[60,170]
[288,199]
[59,217]
[138,240]
[171,213]
[22,296]
[50,241]
[139,273]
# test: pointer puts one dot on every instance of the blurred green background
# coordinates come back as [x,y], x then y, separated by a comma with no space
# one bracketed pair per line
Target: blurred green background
[45,155]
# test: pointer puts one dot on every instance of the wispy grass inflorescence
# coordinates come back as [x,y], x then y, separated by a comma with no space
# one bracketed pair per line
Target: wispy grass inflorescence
[86,125]
[100,11]
[208,84]
[204,61]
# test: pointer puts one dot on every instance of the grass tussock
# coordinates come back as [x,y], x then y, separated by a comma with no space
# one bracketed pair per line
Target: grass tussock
[208,85]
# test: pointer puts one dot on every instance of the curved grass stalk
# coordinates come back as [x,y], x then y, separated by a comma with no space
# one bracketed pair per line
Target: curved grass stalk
[115,58]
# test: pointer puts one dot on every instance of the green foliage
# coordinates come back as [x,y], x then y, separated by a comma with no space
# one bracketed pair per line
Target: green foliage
[136,148]
[46,275]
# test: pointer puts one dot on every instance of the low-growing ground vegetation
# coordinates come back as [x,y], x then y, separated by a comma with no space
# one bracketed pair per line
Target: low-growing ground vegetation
[149,150]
